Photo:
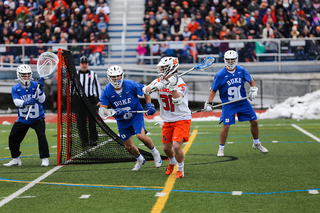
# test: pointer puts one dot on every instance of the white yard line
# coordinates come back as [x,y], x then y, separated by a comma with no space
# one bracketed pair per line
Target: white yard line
[305,132]
[20,191]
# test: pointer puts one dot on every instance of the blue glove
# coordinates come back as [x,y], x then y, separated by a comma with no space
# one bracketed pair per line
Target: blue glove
[150,109]
[32,101]
[119,113]
[41,85]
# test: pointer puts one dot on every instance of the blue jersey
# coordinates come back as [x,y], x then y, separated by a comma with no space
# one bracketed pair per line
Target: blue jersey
[20,92]
[231,85]
[128,100]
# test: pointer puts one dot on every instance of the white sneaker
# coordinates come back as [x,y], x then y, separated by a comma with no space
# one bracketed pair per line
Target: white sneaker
[138,165]
[45,162]
[157,159]
[13,162]
[220,153]
[260,147]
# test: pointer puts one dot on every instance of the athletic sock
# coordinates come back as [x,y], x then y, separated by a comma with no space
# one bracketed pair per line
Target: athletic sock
[173,161]
[154,150]
[256,141]
[221,146]
[180,166]
[140,158]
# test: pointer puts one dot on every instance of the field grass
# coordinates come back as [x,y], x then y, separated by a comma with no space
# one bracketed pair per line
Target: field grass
[275,182]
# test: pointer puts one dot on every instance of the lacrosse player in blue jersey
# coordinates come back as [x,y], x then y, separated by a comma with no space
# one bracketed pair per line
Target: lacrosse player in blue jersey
[122,96]
[229,81]
[23,97]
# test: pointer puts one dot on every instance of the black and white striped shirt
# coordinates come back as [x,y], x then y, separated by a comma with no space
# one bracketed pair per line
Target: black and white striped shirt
[90,83]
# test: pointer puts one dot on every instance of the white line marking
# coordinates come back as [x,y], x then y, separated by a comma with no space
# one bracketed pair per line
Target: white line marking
[160,194]
[236,192]
[305,132]
[20,191]
[313,192]
[85,196]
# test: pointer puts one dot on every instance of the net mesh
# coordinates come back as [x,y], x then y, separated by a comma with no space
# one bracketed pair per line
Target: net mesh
[47,63]
[80,124]
[205,63]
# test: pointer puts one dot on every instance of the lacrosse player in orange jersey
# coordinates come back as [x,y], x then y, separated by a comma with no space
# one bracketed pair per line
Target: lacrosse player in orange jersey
[174,110]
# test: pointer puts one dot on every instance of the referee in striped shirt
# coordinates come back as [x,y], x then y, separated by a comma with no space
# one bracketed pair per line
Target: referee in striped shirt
[91,85]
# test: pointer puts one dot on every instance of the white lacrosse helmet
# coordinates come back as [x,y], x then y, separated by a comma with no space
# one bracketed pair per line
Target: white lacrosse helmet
[115,71]
[231,59]
[167,66]
[24,74]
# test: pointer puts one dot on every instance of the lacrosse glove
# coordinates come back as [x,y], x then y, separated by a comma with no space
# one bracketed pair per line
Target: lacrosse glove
[253,93]
[208,106]
[150,109]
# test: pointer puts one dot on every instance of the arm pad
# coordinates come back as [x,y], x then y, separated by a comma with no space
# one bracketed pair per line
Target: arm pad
[177,101]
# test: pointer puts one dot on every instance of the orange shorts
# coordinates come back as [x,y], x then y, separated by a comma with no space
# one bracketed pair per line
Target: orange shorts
[176,131]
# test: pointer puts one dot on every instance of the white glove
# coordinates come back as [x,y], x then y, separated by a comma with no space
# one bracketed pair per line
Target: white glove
[105,113]
[173,80]
[208,106]
[155,86]
[253,93]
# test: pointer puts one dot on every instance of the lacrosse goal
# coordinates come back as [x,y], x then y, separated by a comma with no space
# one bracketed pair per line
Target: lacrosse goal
[74,113]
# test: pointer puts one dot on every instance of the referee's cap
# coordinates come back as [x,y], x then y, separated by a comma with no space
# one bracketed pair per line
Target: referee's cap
[84,59]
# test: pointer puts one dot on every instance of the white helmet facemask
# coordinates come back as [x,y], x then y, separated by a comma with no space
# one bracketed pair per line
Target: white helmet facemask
[24,74]
[167,66]
[115,71]
[231,59]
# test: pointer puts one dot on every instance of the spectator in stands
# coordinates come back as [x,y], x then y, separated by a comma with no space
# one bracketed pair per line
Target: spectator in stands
[203,11]
[21,8]
[253,6]
[200,33]
[315,6]
[7,56]
[103,35]
[185,20]
[77,30]
[250,47]
[253,29]
[160,14]
[104,6]
[101,23]
[230,24]
[103,15]
[294,33]
[312,48]
[235,16]
[242,24]
[75,51]
[141,52]
[267,31]
[302,22]
[217,26]
[212,16]
[271,45]
[240,6]
[193,25]
[224,47]
[150,7]
[210,31]
[228,9]
[96,52]
[268,15]
[224,18]
[164,28]
[206,23]
[186,8]
[276,33]
[317,32]
[299,51]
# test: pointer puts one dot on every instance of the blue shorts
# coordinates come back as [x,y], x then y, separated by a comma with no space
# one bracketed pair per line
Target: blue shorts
[130,127]
[243,109]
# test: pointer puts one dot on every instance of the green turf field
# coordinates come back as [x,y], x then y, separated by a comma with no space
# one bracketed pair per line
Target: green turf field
[275,182]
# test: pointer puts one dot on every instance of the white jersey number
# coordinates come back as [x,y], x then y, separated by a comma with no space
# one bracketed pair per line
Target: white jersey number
[234,93]
[34,112]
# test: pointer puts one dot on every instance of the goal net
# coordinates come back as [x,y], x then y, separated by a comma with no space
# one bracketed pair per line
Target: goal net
[77,120]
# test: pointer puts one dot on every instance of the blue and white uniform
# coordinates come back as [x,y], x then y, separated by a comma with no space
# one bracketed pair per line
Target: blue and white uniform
[20,94]
[131,123]
[231,87]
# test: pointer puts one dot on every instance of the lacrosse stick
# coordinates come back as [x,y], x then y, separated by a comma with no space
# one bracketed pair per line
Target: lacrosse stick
[215,106]
[106,113]
[205,64]
[46,65]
